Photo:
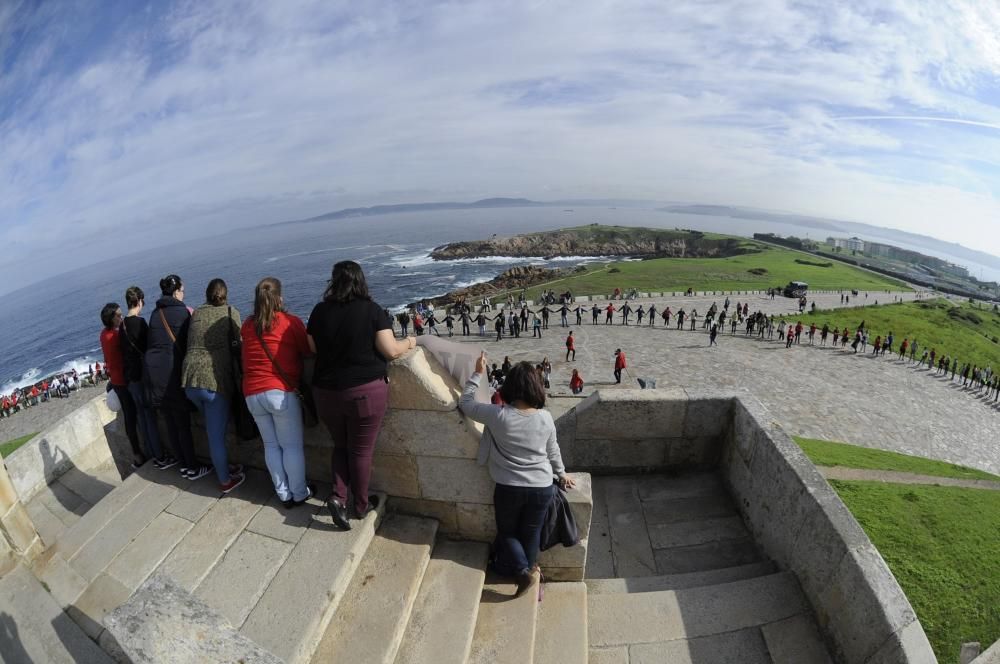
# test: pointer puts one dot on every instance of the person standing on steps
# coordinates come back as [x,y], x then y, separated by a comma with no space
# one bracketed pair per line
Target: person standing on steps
[134,332]
[353,343]
[165,348]
[207,375]
[570,347]
[620,365]
[110,338]
[520,448]
[274,345]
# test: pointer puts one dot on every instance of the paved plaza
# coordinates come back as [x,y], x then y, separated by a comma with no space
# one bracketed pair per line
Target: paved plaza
[816,392]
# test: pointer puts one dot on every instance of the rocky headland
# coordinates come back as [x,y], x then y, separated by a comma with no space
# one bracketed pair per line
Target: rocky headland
[516,278]
[597,240]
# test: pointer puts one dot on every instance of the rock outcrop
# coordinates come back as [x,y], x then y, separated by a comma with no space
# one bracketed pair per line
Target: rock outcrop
[522,276]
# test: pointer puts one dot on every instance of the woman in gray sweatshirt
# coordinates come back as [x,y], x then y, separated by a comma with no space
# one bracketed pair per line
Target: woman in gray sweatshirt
[519,443]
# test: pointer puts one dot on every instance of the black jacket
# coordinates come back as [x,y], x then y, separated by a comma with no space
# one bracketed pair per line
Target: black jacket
[165,357]
[559,526]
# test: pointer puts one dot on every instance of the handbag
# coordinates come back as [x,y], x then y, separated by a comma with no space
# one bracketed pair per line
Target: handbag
[111,399]
[308,407]
[246,425]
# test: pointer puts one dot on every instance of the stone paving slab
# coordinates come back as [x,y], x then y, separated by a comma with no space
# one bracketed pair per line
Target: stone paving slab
[91,485]
[505,629]
[84,529]
[600,559]
[816,392]
[237,582]
[286,524]
[630,546]
[47,524]
[795,640]
[91,559]
[625,619]
[667,535]
[148,549]
[680,510]
[711,555]
[381,595]
[445,611]
[645,584]
[34,627]
[744,646]
[561,633]
[64,504]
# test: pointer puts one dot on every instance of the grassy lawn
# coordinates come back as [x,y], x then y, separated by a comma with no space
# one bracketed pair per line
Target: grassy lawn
[949,327]
[11,445]
[773,266]
[943,546]
[826,453]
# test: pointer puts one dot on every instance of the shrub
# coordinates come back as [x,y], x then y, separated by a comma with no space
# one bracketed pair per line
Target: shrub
[613,270]
[759,271]
[957,313]
[802,261]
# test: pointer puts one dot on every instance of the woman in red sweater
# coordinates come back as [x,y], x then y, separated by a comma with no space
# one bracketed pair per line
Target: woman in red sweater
[274,343]
[111,317]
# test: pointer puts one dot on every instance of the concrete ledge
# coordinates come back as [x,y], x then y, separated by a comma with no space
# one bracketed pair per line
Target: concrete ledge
[801,523]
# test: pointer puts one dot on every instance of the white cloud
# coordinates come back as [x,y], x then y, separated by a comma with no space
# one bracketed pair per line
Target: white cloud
[215,114]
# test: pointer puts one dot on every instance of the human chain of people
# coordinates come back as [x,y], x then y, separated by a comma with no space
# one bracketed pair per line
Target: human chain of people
[513,318]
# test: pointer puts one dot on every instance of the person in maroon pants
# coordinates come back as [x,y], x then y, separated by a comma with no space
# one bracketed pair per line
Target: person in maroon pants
[353,340]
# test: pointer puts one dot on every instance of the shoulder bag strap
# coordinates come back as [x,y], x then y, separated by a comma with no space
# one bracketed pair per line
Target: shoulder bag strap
[166,325]
[277,366]
[128,338]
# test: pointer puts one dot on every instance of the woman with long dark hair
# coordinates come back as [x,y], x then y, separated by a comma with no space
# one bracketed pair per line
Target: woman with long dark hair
[166,345]
[274,344]
[111,318]
[353,340]
[519,444]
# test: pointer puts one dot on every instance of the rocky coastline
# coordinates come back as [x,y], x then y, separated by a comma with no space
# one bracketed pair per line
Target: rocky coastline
[516,278]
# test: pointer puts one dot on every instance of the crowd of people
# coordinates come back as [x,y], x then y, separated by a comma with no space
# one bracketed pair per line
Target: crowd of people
[59,385]
[181,359]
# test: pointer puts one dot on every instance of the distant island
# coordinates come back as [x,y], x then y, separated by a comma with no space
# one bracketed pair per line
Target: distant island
[600,240]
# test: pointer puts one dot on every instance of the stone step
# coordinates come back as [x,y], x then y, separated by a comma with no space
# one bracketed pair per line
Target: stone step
[645,584]
[379,600]
[505,627]
[745,646]
[707,556]
[33,627]
[650,617]
[293,613]
[97,517]
[795,640]
[443,618]
[561,630]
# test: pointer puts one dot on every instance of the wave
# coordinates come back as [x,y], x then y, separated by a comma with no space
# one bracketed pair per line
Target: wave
[36,374]
[312,252]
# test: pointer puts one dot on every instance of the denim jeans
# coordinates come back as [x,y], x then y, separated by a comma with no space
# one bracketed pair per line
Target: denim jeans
[279,417]
[147,421]
[520,515]
[214,407]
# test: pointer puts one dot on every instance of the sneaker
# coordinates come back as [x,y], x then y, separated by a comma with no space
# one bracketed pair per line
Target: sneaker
[310,492]
[234,481]
[138,462]
[199,472]
[185,471]
[236,469]
[165,462]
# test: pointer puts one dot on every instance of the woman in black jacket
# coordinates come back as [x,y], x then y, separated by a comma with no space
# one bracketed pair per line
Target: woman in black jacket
[166,344]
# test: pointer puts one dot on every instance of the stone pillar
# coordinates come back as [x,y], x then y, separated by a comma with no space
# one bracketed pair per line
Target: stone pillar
[18,538]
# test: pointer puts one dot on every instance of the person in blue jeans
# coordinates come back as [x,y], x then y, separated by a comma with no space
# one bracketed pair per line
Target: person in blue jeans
[274,346]
[519,445]
[207,377]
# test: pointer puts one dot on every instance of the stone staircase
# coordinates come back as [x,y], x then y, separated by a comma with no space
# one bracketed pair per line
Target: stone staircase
[687,585]
[390,590]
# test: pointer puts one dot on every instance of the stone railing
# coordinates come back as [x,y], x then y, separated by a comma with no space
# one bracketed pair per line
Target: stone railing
[78,440]
[793,514]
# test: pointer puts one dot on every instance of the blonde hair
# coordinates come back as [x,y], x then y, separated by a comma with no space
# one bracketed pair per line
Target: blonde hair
[266,303]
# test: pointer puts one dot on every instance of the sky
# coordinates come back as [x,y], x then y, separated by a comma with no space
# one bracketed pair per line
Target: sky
[125,124]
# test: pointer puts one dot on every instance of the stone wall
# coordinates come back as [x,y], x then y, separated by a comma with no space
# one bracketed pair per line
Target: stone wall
[80,439]
[801,523]
[18,538]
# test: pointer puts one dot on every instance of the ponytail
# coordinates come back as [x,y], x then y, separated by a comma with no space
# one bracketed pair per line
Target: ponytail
[266,303]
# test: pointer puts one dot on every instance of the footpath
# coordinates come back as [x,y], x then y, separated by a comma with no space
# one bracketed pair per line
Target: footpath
[895,477]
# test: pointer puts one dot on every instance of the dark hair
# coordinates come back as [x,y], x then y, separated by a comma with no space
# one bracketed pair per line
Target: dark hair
[170,284]
[133,296]
[266,303]
[522,382]
[108,314]
[347,282]
[217,292]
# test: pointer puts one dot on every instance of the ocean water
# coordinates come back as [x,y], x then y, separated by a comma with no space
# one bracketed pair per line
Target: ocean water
[53,326]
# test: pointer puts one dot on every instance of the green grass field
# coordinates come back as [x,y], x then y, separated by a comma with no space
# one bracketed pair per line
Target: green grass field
[949,327]
[826,453]
[943,546]
[11,445]
[679,274]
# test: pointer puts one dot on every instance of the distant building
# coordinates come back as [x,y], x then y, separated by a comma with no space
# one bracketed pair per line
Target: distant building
[850,244]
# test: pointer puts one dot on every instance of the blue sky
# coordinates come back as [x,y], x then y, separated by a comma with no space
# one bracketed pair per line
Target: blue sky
[124,124]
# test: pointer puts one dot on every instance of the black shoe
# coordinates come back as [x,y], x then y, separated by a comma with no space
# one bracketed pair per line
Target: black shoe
[311,491]
[339,514]
[372,506]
